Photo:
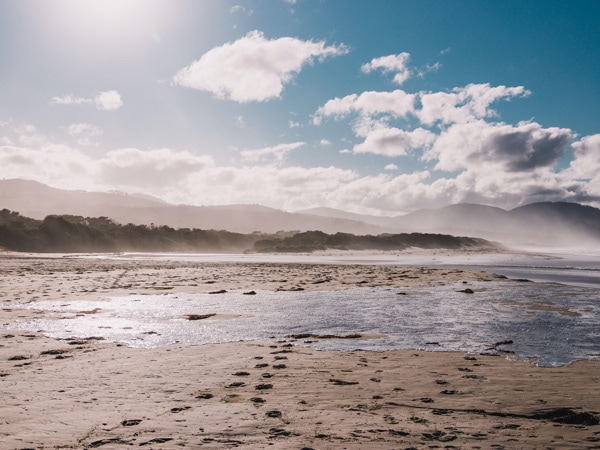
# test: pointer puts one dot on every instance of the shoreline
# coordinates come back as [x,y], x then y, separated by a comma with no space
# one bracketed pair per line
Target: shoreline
[89,393]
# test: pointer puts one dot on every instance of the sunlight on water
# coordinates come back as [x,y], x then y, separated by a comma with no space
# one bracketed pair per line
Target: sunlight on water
[549,324]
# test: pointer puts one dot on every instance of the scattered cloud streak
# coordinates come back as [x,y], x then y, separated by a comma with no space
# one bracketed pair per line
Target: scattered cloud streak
[104,101]
[84,132]
[276,153]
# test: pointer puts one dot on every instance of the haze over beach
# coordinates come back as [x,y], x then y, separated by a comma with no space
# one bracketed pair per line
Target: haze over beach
[311,224]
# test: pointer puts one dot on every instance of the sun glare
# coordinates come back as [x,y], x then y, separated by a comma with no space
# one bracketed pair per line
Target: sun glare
[106,23]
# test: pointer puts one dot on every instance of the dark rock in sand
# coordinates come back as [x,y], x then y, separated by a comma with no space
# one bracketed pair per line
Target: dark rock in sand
[199,316]
[131,422]
[342,382]
[567,416]
[206,396]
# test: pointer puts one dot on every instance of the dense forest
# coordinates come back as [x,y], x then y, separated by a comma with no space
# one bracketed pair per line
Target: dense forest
[76,234]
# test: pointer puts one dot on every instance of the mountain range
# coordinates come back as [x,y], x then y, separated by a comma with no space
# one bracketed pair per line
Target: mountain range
[557,224]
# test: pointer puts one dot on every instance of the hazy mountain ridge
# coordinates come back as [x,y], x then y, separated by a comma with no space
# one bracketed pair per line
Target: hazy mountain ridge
[555,224]
[36,200]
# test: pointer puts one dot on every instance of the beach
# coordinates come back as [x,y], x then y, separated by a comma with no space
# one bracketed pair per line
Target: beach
[86,392]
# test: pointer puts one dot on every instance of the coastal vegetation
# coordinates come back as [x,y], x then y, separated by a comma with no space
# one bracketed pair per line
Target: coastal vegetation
[77,234]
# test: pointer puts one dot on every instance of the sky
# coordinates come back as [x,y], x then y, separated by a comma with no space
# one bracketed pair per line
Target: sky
[369,106]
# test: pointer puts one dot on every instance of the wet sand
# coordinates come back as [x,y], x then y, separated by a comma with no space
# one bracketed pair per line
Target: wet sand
[87,393]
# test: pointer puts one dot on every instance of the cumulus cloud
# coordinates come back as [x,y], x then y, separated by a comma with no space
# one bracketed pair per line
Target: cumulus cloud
[481,145]
[53,164]
[183,177]
[368,104]
[391,166]
[253,68]
[108,101]
[586,161]
[104,101]
[394,142]
[391,63]
[276,153]
[464,104]
[376,114]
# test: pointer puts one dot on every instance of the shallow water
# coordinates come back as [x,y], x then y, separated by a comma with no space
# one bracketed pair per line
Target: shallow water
[549,324]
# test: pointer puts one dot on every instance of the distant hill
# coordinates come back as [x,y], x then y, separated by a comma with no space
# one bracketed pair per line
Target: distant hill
[36,200]
[547,224]
[552,224]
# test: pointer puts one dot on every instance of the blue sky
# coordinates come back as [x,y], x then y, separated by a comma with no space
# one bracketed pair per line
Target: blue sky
[379,107]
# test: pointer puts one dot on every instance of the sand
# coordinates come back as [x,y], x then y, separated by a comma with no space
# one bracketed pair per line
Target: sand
[88,393]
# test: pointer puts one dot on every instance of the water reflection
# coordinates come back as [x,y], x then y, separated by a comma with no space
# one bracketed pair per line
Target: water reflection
[547,323]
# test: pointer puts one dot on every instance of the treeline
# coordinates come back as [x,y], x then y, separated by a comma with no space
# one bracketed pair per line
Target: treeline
[316,240]
[76,234]
[68,234]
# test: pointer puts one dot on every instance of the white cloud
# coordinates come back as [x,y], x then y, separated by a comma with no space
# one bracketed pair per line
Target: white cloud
[464,104]
[491,147]
[240,122]
[391,167]
[253,68]
[240,9]
[370,103]
[56,165]
[325,142]
[276,152]
[390,63]
[586,162]
[104,101]
[108,101]
[25,129]
[394,142]
[69,100]
[78,129]
[183,177]
[84,133]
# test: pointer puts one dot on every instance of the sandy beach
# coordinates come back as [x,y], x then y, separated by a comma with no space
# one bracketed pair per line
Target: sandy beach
[90,393]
